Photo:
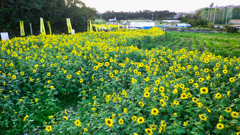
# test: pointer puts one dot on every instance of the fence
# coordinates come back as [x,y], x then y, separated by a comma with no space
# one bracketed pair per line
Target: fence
[221,15]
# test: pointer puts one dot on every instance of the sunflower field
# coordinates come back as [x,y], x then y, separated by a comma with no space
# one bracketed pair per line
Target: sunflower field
[119,86]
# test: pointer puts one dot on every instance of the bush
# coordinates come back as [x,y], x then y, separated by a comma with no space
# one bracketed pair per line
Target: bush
[230,29]
[210,25]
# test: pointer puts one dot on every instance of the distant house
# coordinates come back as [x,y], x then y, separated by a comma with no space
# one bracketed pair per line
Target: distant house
[235,21]
[142,25]
[171,22]
[113,21]
[183,25]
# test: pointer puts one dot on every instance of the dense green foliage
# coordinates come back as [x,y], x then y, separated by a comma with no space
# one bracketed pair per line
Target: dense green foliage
[230,29]
[55,11]
[145,14]
[218,43]
[194,21]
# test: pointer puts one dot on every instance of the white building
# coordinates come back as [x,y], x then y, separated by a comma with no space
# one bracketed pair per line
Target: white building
[171,22]
[142,25]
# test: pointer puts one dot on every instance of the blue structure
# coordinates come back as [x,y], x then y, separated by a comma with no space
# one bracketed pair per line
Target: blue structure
[162,26]
[147,27]
[142,25]
[182,25]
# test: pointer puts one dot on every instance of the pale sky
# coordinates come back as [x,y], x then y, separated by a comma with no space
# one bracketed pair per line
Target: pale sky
[171,5]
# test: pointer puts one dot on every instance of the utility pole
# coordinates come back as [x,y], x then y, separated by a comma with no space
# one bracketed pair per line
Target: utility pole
[226,15]
[203,14]
[214,15]
[208,15]
[211,11]
[223,15]
[152,16]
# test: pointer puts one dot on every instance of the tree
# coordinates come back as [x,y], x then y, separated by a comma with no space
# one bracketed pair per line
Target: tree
[145,14]
[55,11]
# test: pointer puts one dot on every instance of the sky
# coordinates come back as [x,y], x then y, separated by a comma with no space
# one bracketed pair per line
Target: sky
[171,5]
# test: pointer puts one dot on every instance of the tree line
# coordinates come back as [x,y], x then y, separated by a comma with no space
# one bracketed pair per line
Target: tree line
[55,11]
[138,15]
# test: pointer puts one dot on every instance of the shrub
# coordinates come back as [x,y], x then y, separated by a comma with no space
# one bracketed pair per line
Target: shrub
[230,29]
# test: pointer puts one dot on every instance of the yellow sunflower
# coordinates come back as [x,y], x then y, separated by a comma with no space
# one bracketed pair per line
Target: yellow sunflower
[225,71]
[232,79]
[204,90]
[140,120]
[120,121]
[146,94]
[161,89]
[157,82]
[154,111]
[175,91]
[162,102]
[202,117]
[183,96]
[176,102]
[148,131]
[69,76]
[109,122]
[185,123]
[49,128]
[228,109]
[234,114]
[153,127]
[218,95]
[134,118]
[77,123]
[220,126]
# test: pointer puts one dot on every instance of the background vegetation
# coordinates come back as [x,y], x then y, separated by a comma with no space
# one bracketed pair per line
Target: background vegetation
[145,14]
[55,11]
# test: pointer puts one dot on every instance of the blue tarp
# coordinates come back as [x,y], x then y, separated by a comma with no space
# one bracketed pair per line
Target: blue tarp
[146,27]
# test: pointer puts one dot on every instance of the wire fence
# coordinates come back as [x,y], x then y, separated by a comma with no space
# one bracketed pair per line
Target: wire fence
[226,15]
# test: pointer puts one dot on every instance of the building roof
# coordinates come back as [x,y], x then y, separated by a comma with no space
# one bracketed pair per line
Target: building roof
[172,21]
